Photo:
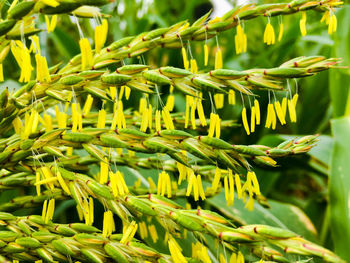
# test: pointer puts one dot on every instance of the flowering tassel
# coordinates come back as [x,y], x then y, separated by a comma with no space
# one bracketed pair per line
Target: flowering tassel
[302,24]
[245,120]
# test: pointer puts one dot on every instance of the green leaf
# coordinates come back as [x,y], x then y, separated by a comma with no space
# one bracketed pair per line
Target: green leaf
[339,187]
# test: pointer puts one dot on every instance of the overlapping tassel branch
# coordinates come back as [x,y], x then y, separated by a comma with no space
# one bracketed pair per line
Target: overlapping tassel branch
[52,140]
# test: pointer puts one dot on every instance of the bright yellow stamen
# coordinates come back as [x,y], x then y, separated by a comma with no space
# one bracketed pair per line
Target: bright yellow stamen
[43,214]
[189,102]
[252,119]
[104,171]
[201,114]
[257,111]
[217,126]
[269,35]
[86,53]
[240,257]
[167,119]
[108,224]
[194,67]
[158,123]
[101,35]
[216,180]
[46,181]
[245,120]
[231,97]
[17,125]
[238,186]
[280,33]
[175,252]
[50,210]
[63,183]
[144,120]
[184,57]
[200,187]
[87,105]
[61,118]
[240,40]
[47,175]
[214,125]
[143,230]
[206,54]
[302,24]
[279,112]
[292,112]
[52,3]
[1,73]
[152,185]
[233,258]
[218,59]
[129,233]
[91,211]
[127,92]
[271,116]
[153,232]
[193,113]
[101,120]
[284,107]
[222,258]
[35,46]
[295,99]
[219,100]
[170,102]
[37,179]
[22,56]
[51,25]
[164,184]
[42,70]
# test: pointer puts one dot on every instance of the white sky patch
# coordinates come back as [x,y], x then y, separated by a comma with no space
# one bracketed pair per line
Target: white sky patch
[222,6]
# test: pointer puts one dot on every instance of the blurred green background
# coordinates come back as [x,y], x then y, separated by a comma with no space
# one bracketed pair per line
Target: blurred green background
[307,195]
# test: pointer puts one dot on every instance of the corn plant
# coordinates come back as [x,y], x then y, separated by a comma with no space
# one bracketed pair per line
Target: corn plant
[100,164]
